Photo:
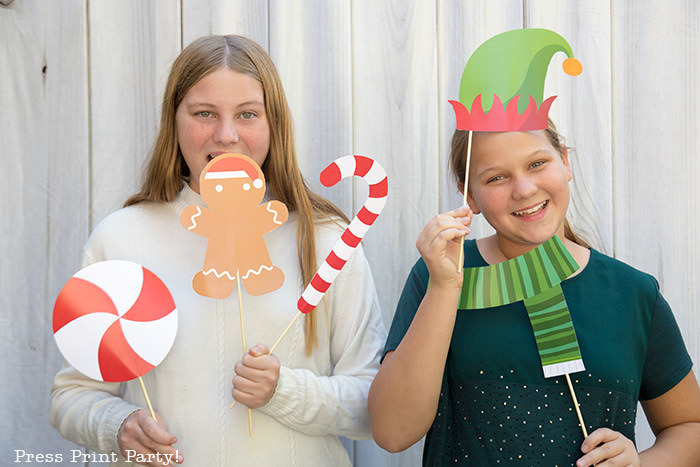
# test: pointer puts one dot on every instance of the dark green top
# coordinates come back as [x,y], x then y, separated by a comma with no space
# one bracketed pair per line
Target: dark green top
[496,407]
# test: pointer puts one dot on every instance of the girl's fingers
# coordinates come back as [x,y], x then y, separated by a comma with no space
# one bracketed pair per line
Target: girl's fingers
[607,447]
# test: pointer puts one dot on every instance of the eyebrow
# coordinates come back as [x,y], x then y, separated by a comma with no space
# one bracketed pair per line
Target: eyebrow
[254,102]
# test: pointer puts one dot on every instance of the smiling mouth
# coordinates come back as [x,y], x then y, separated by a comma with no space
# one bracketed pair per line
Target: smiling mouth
[532,211]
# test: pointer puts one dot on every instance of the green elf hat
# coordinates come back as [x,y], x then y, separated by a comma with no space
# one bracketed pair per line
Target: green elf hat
[503,81]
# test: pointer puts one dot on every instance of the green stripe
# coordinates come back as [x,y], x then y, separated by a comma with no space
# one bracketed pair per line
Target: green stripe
[564,359]
[556,339]
[557,264]
[515,282]
[518,279]
[503,284]
[558,344]
[526,276]
[556,327]
[551,317]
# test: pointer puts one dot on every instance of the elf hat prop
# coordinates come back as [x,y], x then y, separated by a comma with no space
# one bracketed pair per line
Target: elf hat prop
[502,87]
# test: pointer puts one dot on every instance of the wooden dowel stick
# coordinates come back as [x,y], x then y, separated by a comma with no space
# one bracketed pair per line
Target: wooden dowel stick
[245,347]
[578,410]
[148,401]
[460,263]
[285,331]
[148,404]
[240,309]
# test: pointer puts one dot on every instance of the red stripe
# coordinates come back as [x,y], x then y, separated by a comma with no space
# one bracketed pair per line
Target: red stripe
[334,261]
[118,361]
[362,165]
[319,284]
[379,189]
[350,239]
[366,216]
[304,306]
[330,175]
[78,298]
[154,301]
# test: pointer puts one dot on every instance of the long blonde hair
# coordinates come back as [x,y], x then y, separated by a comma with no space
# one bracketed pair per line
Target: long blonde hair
[167,169]
[458,160]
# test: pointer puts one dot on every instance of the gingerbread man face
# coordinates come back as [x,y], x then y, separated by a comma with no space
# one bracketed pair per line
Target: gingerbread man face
[232,182]
[232,186]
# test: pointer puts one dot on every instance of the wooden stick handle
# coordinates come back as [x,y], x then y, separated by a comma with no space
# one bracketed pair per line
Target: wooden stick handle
[245,348]
[148,403]
[578,410]
[460,263]
[286,331]
[240,309]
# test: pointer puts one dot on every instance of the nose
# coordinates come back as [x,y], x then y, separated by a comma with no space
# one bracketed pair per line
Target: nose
[226,132]
[523,187]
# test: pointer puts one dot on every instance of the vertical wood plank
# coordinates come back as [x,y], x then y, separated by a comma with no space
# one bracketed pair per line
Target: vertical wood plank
[655,105]
[583,109]
[364,77]
[245,17]
[462,27]
[43,135]
[129,58]
[310,45]
[395,119]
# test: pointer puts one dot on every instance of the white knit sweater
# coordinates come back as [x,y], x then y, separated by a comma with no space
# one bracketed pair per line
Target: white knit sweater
[317,398]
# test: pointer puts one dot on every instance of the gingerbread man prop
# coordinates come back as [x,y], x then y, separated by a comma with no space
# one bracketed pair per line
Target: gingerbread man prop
[233,186]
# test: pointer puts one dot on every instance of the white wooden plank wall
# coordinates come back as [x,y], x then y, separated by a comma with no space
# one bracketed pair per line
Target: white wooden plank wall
[80,89]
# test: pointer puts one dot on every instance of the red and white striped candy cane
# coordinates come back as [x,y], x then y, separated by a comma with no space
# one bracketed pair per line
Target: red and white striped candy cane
[375,176]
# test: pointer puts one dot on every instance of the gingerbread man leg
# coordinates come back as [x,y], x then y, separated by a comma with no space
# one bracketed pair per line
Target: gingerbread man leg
[261,279]
[214,284]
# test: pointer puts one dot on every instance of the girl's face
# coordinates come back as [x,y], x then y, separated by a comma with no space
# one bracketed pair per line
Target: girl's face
[520,183]
[223,112]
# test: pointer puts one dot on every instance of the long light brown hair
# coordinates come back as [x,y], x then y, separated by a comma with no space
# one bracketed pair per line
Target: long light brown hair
[167,170]
[457,163]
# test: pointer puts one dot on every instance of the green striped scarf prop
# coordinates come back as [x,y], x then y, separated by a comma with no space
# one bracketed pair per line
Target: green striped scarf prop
[534,278]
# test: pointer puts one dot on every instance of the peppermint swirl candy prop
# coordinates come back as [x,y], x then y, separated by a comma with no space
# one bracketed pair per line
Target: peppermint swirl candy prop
[375,176]
[115,321]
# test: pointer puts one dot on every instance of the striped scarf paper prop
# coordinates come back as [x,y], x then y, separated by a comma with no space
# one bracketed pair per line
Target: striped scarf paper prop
[534,278]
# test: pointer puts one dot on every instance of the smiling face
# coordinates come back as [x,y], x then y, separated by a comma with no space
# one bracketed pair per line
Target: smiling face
[520,183]
[223,112]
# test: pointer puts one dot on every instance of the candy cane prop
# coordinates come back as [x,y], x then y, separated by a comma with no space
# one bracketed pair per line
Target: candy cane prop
[375,176]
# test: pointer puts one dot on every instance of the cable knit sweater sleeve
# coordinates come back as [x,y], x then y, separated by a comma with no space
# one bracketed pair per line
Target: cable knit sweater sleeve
[337,404]
[88,412]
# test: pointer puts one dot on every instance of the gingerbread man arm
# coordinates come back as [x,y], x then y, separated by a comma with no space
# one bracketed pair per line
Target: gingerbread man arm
[194,218]
[272,215]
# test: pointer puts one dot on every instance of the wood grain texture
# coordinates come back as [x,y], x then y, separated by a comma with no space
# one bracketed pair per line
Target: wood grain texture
[80,88]
[44,152]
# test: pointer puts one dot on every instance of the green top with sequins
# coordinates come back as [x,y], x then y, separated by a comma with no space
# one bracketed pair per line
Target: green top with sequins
[497,408]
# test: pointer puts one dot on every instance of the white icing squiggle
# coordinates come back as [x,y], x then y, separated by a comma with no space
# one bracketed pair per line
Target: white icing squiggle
[257,273]
[194,223]
[217,274]
[274,219]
